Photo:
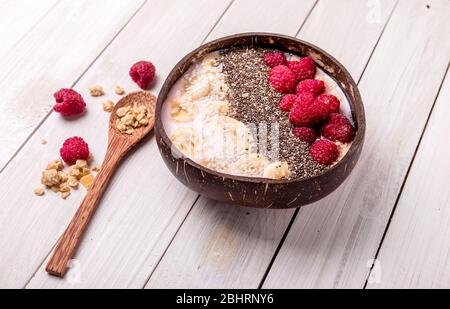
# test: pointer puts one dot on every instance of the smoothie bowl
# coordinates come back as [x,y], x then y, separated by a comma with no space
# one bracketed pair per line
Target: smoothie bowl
[260,120]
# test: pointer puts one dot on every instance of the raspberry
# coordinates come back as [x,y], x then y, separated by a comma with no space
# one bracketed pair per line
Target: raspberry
[324,152]
[338,118]
[305,134]
[305,68]
[305,98]
[73,149]
[330,101]
[68,102]
[143,73]
[338,128]
[304,115]
[282,79]
[287,101]
[272,59]
[313,86]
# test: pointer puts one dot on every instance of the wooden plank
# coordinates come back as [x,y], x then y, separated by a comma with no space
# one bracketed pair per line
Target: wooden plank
[53,55]
[332,243]
[229,247]
[416,248]
[144,204]
[19,17]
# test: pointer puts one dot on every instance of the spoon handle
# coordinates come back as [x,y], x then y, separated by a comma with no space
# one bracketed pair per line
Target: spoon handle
[69,241]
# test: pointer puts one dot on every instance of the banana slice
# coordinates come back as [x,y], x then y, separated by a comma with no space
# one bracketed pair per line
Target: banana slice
[277,170]
[187,140]
[237,137]
[183,110]
[215,107]
[235,128]
[199,89]
[252,165]
[210,61]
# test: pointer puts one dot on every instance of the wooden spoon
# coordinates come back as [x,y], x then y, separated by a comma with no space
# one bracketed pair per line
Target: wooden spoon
[119,144]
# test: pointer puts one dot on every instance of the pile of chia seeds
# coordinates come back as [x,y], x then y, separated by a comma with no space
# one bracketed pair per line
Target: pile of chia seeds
[253,101]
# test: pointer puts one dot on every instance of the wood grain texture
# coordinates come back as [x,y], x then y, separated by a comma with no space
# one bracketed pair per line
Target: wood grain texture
[228,247]
[51,56]
[332,242]
[144,204]
[415,251]
[119,144]
[19,18]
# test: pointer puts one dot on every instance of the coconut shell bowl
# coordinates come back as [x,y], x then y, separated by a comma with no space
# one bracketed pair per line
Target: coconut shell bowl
[262,192]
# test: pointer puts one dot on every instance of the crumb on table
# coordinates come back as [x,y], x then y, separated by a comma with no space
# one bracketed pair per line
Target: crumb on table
[119,90]
[108,106]
[39,191]
[96,91]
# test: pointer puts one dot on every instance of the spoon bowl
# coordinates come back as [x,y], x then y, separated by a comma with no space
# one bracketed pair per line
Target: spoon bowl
[138,98]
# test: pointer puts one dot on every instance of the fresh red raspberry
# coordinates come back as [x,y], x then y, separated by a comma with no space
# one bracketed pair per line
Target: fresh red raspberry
[303,115]
[338,118]
[305,98]
[68,102]
[338,128]
[282,79]
[313,86]
[274,58]
[324,152]
[287,101]
[143,73]
[330,101]
[73,149]
[305,68]
[305,134]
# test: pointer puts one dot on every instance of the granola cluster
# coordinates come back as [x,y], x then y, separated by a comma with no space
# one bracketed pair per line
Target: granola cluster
[132,117]
[62,181]
[96,91]
[108,105]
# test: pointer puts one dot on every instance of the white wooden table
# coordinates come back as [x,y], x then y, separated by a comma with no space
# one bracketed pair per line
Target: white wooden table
[388,225]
